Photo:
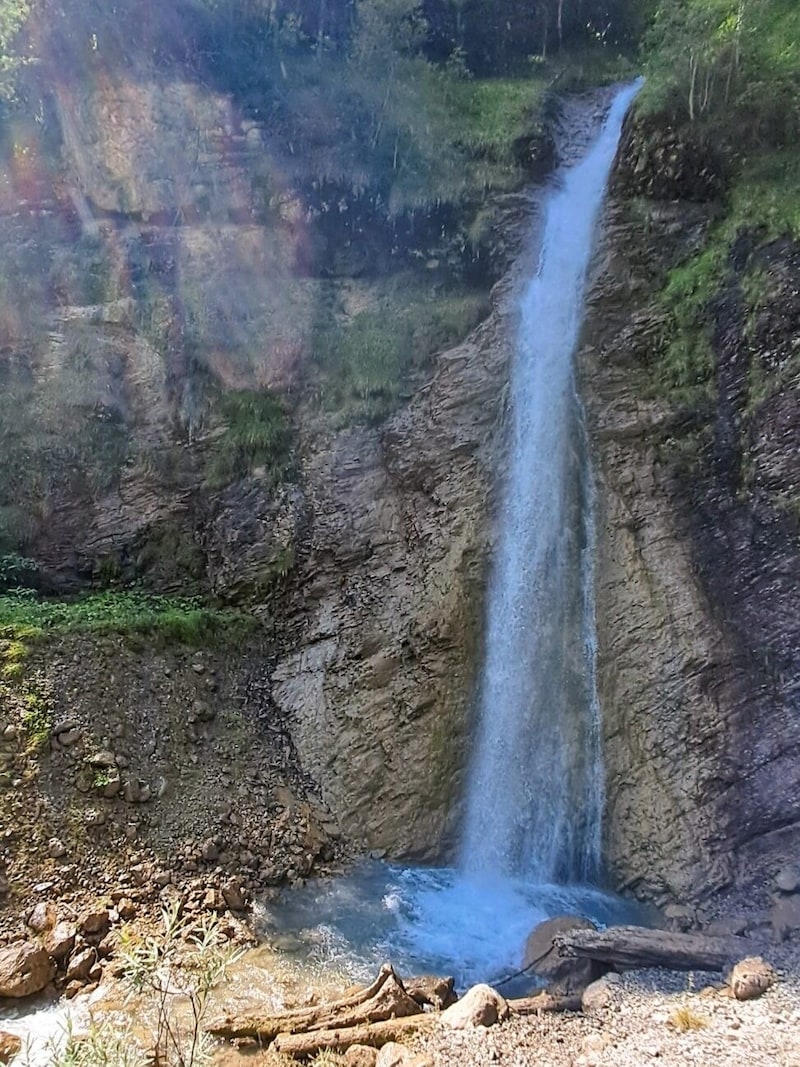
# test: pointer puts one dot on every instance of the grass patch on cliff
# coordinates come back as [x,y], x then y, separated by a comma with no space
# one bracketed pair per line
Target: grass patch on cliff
[25,618]
[366,364]
[256,435]
[764,204]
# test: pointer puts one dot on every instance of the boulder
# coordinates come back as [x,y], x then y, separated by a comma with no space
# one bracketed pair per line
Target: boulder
[10,1045]
[480,1006]
[562,974]
[25,969]
[60,941]
[750,978]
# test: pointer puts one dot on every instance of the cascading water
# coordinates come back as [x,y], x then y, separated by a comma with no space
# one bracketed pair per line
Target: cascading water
[535,792]
[533,813]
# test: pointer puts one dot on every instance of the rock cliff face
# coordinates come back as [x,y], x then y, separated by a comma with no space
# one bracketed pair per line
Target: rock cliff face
[699,554]
[158,260]
[385,608]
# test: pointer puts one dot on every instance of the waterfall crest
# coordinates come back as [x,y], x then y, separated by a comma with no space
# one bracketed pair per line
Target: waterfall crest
[534,800]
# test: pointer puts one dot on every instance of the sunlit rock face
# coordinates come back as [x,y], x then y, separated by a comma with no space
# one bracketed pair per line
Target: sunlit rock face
[160,256]
[699,553]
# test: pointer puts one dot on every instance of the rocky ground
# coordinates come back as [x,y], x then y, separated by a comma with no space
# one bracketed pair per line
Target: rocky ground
[658,1017]
[135,775]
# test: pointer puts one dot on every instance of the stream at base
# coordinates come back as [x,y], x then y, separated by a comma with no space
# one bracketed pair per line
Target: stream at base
[425,921]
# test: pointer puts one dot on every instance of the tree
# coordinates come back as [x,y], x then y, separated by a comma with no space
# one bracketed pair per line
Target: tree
[13,15]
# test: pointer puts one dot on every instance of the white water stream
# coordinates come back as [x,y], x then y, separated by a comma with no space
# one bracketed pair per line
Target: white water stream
[534,802]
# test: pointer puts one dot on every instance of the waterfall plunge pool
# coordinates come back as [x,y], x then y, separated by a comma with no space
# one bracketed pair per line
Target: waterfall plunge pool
[425,921]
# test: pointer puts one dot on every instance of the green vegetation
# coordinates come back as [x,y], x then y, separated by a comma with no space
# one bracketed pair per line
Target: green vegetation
[725,72]
[256,435]
[13,14]
[37,720]
[728,67]
[365,367]
[184,620]
[16,571]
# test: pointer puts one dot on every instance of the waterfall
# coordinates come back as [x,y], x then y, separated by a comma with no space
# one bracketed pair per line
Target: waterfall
[532,832]
[534,799]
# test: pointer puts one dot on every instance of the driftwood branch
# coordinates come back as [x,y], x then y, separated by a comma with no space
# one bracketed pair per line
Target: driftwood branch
[630,947]
[544,1002]
[303,1046]
[385,999]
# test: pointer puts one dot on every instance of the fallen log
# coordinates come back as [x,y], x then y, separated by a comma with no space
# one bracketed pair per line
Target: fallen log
[304,1046]
[543,1002]
[385,999]
[631,947]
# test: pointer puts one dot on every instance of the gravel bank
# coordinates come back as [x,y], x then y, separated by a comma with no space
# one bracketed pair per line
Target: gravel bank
[639,1027]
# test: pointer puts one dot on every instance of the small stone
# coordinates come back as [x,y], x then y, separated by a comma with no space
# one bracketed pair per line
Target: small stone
[393,1055]
[480,1006]
[787,880]
[72,989]
[69,738]
[10,732]
[203,711]
[95,922]
[10,1045]
[597,996]
[212,900]
[63,726]
[80,965]
[56,849]
[104,758]
[43,917]
[209,850]
[751,978]
[680,917]
[127,909]
[233,896]
[361,1056]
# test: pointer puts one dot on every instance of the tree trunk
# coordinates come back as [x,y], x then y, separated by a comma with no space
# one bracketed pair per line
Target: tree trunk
[630,947]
